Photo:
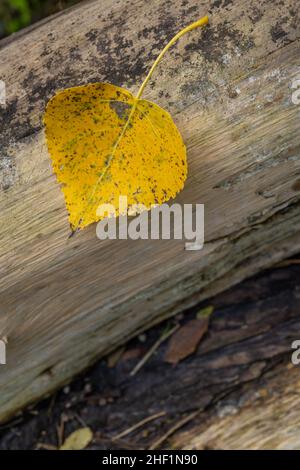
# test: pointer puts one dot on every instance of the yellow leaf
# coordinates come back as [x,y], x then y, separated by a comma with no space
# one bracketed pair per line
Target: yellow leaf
[106,143]
[78,439]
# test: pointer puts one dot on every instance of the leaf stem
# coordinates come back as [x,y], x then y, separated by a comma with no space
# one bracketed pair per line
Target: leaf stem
[203,21]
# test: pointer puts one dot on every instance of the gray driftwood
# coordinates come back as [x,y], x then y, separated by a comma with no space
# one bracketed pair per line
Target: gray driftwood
[64,303]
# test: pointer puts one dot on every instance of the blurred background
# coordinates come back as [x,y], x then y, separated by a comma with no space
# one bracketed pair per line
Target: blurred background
[17,14]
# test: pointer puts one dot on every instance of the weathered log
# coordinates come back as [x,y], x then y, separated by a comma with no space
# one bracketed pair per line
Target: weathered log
[229,87]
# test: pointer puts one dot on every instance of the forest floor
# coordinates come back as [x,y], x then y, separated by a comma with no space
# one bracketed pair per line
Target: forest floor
[135,397]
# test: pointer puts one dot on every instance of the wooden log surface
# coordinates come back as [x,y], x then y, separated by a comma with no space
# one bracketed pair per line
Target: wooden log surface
[66,302]
[239,390]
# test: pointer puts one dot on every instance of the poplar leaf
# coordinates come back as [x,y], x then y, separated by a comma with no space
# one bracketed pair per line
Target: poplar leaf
[106,143]
[185,341]
[78,439]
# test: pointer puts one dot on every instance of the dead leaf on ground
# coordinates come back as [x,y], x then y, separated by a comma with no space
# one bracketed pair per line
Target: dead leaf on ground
[133,353]
[78,439]
[185,341]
